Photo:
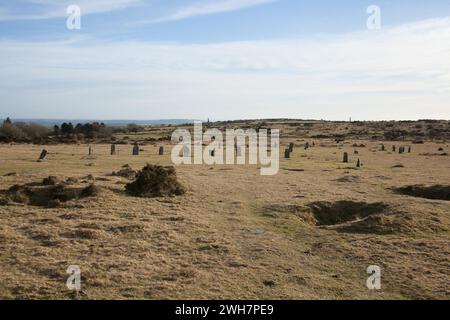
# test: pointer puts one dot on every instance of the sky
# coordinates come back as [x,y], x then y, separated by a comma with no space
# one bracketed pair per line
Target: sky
[225,59]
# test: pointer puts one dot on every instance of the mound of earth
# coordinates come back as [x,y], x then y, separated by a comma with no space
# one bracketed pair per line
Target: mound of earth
[155,181]
[356,217]
[349,179]
[436,192]
[332,213]
[50,181]
[49,193]
[126,171]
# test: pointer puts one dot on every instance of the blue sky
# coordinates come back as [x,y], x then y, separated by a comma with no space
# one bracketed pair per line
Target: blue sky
[225,59]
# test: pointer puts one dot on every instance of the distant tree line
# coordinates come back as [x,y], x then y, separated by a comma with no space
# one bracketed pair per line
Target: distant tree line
[22,132]
[67,132]
[80,131]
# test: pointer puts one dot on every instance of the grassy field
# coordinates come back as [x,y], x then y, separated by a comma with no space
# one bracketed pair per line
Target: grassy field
[308,232]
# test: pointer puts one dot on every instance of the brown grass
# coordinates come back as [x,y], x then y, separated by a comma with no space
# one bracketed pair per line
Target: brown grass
[234,233]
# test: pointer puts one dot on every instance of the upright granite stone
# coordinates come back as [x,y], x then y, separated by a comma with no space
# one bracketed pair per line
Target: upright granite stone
[291,147]
[345,160]
[287,153]
[161,151]
[238,151]
[186,151]
[136,149]
[43,155]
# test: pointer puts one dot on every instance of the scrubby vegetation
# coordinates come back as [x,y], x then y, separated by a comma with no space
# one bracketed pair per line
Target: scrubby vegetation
[126,171]
[155,181]
[89,131]
[67,132]
[22,132]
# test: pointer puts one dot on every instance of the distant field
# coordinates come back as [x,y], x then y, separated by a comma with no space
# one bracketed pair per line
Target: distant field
[309,232]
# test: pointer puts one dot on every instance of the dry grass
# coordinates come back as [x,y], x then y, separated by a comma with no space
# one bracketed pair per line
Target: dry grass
[235,233]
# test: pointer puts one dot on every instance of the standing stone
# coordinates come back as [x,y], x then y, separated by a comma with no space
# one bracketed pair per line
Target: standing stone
[136,149]
[401,150]
[345,157]
[307,146]
[358,164]
[287,154]
[91,151]
[161,150]
[409,149]
[113,149]
[43,155]
[383,147]
[393,148]
[186,151]
[238,151]
[291,147]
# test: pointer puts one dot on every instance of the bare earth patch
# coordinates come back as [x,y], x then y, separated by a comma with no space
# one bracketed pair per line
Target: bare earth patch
[233,234]
[436,192]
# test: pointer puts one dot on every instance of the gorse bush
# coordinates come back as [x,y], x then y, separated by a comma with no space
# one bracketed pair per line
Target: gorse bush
[67,132]
[155,181]
[22,132]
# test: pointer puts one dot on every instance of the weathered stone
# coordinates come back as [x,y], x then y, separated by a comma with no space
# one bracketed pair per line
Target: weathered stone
[113,149]
[91,151]
[345,157]
[383,148]
[358,164]
[393,148]
[291,147]
[238,151]
[43,155]
[287,154]
[161,150]
[186,151]
[136,149]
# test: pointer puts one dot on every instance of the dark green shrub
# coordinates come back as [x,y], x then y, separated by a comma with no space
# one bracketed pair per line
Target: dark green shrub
[155,181]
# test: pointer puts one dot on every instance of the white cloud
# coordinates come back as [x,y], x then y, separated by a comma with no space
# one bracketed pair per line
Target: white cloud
[48,9]
[400,72]
[210,7]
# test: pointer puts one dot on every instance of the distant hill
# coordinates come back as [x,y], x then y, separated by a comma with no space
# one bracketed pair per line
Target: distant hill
[118,123]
